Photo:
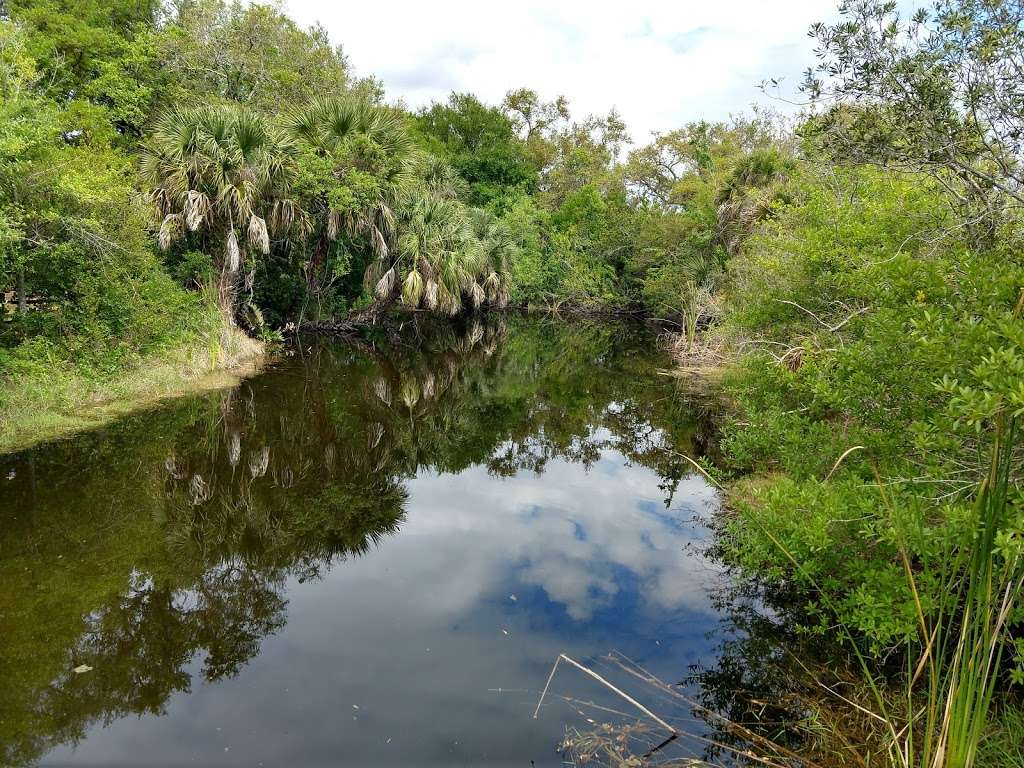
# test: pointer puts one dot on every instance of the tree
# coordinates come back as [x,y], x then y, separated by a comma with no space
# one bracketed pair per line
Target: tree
[670,169]
[221,176]
[498,250]
[448,256]
[536,121]
[72,236]
[941,93]
[393,213]
[355,160]
[659,172]
[100,50]
[481,144]
[17,71]
[252,54]
[432,249]
[700,191]
[583,153]
[530,115]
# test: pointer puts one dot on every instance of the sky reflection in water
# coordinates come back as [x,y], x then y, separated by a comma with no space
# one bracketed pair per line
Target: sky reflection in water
[534,522]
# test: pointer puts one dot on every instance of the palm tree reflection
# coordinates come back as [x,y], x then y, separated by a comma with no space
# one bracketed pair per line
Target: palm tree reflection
[223,500]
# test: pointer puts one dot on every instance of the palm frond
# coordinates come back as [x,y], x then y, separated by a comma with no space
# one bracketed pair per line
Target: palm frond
[258,236]
[170,228]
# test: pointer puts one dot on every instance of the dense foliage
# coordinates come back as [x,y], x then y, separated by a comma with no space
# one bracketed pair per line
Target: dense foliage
[282,206]
[879,313]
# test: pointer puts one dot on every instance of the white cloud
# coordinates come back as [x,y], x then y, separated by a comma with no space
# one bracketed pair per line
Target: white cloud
[660,64]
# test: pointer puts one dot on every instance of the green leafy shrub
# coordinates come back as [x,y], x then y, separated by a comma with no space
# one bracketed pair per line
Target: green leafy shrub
[876,338]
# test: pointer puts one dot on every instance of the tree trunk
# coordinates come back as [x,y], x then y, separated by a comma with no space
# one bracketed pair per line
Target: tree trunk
[316,262]
[22,298]
[227,296]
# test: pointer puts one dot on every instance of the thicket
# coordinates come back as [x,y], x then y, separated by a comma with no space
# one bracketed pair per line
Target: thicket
[878,313]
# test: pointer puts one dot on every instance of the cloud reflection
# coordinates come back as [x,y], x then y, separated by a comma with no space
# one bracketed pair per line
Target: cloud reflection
[570,532]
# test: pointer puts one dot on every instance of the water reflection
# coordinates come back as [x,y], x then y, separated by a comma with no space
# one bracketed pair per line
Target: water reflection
[497,494]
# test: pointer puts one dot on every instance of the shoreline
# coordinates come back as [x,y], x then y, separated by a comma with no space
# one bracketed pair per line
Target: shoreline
[61,412]
[73,404]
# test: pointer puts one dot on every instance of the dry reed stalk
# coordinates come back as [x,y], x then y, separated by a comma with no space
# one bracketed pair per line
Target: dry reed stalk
[604,682]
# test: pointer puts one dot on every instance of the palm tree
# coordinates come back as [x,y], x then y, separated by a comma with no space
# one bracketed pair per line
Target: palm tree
[497,249]
[448,255]
[434,242]
[364,146]
[440,178]
[222,175]
[403,204]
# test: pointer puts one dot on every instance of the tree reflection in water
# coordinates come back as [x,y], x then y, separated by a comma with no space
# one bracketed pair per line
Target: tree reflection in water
[159,548]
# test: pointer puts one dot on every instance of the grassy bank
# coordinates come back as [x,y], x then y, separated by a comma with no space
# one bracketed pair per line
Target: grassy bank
[55,399]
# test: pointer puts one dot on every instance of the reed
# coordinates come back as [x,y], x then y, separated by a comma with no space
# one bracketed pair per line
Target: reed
[953,665]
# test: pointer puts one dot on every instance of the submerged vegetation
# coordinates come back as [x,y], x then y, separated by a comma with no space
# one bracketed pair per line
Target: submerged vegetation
[175,173]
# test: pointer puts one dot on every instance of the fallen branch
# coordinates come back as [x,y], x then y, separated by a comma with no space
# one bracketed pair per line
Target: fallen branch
[822,323]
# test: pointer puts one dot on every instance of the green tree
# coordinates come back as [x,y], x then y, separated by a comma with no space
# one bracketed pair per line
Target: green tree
[498,250]
[433,263]
[938,93]
[355,161]
[535,121]
[583,153]
[700,191]
[100,50]
[72,234]
[221,177]
[250,53]
[480,142]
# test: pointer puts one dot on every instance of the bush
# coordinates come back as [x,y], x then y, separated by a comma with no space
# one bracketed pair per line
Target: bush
[869,327]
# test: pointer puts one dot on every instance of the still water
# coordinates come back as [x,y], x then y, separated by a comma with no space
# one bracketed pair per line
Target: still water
[370,554]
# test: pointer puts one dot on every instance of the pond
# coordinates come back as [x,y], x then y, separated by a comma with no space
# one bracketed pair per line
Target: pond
[372,553]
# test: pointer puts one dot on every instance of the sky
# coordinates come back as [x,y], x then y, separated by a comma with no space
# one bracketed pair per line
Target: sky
[661,64]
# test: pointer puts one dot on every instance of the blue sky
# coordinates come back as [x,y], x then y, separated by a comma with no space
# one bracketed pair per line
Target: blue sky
[660,64]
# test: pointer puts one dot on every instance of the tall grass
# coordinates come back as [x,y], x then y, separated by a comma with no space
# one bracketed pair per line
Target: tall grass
[963,643]
[695,301]
[953,666]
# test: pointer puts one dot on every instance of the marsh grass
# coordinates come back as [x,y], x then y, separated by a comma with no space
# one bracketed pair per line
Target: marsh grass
[58,400]
[1003,746]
